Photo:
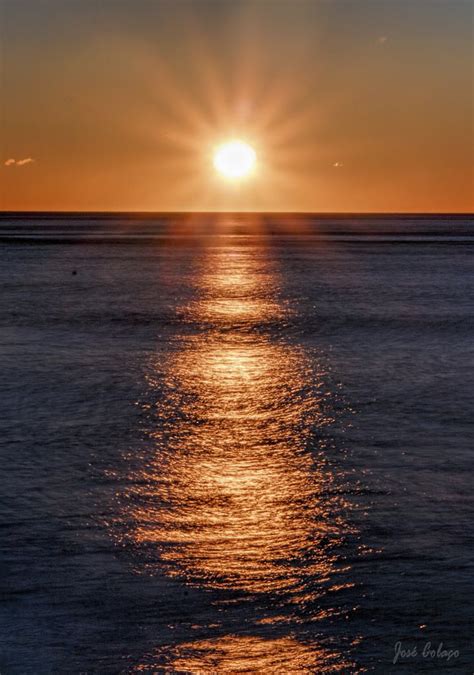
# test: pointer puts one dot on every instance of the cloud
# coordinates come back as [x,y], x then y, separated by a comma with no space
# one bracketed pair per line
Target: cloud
[337,165]
[19,162]
[382,39]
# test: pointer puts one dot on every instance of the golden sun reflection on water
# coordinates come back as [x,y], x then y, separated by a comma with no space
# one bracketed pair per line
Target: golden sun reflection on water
[238,288]
[240,654]
[231,499]
[242,494]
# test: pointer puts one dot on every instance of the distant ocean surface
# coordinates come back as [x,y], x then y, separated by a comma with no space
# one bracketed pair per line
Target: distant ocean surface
[236,443]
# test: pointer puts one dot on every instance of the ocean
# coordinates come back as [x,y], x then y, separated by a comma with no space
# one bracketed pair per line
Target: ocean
[236,443]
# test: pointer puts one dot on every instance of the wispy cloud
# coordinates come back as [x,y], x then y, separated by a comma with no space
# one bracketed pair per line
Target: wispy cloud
[382,39]
[337,165]
[19,162]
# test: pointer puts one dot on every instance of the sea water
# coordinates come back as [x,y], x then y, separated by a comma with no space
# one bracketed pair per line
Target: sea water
[236,443]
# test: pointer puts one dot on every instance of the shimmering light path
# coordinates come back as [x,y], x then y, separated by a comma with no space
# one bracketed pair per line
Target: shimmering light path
[228,498]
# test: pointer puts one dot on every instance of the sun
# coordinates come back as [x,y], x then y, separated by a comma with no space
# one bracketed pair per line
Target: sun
[235,159]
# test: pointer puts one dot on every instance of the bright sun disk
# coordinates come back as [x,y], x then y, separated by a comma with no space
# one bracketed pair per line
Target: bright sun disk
[234,159]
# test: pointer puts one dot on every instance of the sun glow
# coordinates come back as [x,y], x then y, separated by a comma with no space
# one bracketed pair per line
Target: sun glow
[235,159]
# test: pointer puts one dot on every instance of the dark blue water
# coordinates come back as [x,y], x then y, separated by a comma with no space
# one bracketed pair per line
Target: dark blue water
[236,444]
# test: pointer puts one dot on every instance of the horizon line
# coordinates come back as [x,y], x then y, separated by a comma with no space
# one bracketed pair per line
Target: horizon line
[9,212]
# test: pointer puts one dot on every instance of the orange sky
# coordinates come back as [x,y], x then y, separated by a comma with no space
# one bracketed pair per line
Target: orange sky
[351,105]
